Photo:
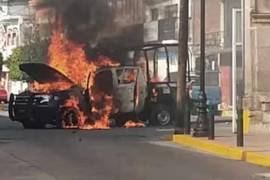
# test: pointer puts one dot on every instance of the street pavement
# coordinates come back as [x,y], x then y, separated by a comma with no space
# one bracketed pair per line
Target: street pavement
[116,154]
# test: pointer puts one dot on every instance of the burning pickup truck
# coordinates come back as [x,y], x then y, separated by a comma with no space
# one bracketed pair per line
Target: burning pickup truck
[35,109]
[71,106]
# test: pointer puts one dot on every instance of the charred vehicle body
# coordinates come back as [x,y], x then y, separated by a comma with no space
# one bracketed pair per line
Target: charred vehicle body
[35,109]
[126,85]
[136,90]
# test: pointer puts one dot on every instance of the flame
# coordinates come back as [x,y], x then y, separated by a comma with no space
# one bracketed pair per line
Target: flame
[100,115]
[133,124]
[70,59]
[49,87]
[74,104]
[103,107]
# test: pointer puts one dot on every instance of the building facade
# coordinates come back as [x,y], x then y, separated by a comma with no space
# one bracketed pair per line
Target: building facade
[257,66]
[161,24]
[16,25]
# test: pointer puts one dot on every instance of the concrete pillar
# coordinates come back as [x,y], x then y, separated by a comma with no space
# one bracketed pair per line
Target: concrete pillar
[249,56]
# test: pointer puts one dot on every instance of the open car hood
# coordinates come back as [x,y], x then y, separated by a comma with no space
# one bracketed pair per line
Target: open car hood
[43,73]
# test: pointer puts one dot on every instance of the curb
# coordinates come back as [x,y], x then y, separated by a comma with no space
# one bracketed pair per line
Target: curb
[257,158]
[209,146]
[222,150]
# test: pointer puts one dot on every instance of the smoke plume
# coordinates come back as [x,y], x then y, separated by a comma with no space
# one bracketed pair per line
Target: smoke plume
[83,20]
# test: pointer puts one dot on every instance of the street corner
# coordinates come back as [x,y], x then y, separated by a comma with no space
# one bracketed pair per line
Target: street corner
[214,148]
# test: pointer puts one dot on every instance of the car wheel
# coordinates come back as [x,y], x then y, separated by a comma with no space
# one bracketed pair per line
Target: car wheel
[162,115]
[69,118]
[11,111]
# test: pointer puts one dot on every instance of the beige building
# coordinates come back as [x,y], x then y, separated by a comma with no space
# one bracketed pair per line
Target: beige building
[257,64]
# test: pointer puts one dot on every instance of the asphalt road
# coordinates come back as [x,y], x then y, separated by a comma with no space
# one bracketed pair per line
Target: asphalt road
[117,154]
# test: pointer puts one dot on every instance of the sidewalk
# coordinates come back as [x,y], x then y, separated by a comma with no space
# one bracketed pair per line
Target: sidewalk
[256,145]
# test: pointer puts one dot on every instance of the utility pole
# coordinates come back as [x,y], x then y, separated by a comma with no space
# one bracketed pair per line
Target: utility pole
[201,129]
[182,67]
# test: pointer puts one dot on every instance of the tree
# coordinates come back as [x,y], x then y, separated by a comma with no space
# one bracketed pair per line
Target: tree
[182,66]
[35,51]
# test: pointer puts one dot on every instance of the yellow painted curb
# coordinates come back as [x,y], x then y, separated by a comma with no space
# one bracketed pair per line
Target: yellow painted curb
[209,146]
[223,150]
[258,159]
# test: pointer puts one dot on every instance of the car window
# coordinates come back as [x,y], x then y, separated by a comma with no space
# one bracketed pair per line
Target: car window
[126,76]
[103,81]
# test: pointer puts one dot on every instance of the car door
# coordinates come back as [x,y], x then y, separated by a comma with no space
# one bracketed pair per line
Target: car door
[141,91]
[125,89]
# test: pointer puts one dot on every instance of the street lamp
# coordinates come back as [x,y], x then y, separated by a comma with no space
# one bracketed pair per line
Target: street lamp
[201,129]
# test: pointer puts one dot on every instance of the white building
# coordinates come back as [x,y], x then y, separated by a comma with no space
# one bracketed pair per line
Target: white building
[15,27]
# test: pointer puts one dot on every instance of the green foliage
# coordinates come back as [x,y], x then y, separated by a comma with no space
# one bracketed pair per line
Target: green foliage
[31,52]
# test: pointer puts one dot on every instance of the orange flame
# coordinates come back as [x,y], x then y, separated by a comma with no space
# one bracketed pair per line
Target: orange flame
[132,124]
[49,87]
[101,115]
[70,59]
[74,103]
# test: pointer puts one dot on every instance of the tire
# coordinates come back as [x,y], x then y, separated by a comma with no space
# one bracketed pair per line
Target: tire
[162,115]
[32,125]
[11,112]
[69,118]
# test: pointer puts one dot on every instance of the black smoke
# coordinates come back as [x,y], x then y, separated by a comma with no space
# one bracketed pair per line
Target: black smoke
[92,22]
[83,20]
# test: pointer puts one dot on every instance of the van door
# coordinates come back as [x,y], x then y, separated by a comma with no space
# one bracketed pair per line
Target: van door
[125,90]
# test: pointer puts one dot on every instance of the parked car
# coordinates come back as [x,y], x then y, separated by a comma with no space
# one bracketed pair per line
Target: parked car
[3,96]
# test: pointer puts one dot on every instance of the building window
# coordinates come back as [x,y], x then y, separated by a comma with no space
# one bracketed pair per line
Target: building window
[154,14]
[171,11]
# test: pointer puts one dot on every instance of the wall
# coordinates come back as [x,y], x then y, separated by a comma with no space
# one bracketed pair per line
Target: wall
[257,66]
